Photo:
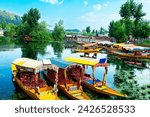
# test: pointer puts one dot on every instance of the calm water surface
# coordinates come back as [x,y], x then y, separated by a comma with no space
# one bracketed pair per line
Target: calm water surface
[135,82]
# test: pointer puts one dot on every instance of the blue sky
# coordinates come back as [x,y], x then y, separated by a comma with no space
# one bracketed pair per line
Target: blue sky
[75,13]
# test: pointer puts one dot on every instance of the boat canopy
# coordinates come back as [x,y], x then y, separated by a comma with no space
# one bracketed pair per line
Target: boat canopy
[28,63]
[118,44]
[105,42]
[60,63]
[138,48]
[90,62]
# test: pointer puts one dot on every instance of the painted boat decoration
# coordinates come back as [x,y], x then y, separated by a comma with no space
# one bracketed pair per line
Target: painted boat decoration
[26,73]
[59,69]
[90,82]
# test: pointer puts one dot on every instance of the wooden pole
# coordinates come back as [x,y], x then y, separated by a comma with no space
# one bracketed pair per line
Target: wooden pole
[93,75]
[104,77]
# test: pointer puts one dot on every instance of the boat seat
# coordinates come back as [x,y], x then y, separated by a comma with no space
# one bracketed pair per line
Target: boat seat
[102,60]
[91,81]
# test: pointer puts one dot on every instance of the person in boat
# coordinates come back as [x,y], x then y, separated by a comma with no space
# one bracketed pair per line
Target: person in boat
[94,55]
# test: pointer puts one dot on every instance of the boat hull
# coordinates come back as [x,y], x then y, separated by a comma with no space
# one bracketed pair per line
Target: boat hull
[44,93]
[87,51]
[69,94]
[130,55]
[104,90]
[35,96]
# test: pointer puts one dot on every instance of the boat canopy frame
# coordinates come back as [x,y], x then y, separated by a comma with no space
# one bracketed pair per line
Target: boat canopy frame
[55,64]
[93,63]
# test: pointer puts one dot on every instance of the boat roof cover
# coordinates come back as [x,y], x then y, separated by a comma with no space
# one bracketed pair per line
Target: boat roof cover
[60,63]
[85,61]
[28,63]
[105,42]
[135,48]
[119,44]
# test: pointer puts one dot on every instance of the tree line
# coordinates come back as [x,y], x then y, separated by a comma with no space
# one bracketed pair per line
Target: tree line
[30,28]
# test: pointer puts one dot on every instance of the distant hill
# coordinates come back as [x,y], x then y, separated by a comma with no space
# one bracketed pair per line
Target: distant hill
[7,17]
[73,30]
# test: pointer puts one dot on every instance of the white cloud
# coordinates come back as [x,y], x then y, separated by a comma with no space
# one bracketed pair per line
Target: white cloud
[85,3]
[97,7]
[61,2]
[53,1]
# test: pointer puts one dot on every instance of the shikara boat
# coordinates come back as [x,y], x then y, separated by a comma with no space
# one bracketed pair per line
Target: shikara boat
[88,48]
[135,55]
[131,51]
[90,82]
[26,74]
[60,70]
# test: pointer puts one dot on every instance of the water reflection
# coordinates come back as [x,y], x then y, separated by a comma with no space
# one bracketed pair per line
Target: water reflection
[32,49]
[58,48]
[125,80]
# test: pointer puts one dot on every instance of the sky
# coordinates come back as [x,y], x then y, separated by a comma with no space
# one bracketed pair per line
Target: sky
[76,14]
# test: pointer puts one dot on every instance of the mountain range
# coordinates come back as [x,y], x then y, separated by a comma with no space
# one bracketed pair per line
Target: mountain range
[7,17]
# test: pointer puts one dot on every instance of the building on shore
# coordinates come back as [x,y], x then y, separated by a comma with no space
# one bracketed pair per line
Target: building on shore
[86,39]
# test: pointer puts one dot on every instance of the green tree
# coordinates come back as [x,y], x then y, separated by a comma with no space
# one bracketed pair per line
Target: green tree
[112,29]
[128,9]
[93,32]
[117,30]
[10,30]
[41,33]
[138,14]
[141,29]
[58,33]
[128,27]
[132,22]
[29,21]
[31,17]
[31,27]
[88,30]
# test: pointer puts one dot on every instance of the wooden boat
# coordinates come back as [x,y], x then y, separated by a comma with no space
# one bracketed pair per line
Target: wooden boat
[26,74]
[59,69]
[131,55]
[131,51]
[88,48]
[90,82]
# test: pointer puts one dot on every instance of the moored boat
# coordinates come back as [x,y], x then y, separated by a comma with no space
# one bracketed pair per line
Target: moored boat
[59,69]
[131,51]
[90,82]
[88,48]
[26,74]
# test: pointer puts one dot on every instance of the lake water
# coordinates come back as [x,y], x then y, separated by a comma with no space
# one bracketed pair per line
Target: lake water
[135,82]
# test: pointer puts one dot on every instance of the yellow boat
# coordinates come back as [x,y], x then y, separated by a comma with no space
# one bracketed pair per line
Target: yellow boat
[88,48]
[58,70]
[132,51]
[26,74]
[92,83]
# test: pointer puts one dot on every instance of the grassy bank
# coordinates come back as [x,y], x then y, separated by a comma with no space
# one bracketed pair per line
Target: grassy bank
[145,43]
